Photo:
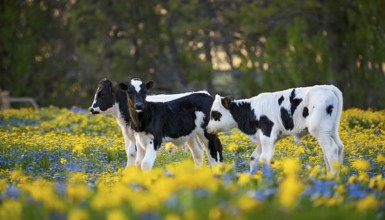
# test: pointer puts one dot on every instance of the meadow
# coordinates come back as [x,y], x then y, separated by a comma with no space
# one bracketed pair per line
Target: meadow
[68,164]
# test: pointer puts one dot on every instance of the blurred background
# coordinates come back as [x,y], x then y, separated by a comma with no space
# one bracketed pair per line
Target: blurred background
[56,51]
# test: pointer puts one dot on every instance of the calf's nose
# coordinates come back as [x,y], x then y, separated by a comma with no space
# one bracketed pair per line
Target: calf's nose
[139,105]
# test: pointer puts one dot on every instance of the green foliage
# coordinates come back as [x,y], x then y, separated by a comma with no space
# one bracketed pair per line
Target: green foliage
[57,51]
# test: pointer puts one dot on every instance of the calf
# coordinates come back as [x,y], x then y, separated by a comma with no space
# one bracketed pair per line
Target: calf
[270,116]
[175,121]
[110,99]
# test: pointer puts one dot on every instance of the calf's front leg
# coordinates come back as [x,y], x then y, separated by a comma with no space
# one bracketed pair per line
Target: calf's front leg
[141,151]
[254,158]
[149,158]
[129,146]
[268,146]
[131,153]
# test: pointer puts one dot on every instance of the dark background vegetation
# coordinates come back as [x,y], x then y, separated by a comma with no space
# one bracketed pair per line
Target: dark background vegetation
[56,51]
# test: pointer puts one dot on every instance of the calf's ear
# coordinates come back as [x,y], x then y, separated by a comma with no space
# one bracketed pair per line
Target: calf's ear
[102,81]
[123,86]
[226,101]
[150,84]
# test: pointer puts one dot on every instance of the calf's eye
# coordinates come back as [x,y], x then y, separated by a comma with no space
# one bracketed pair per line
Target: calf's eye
[216,116]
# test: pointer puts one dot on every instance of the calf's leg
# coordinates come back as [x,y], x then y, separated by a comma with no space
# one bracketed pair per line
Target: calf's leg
[213,147]
[267,152]
[330,150]
[129,146]
[254,158]
[131,153]
[149,157]
[196,150]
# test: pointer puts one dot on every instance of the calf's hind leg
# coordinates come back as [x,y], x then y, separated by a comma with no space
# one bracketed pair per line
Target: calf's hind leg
[340,145]
[330,149]
[196,150]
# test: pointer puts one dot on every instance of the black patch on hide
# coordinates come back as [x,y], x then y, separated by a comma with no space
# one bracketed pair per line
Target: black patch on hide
[305,112]
[247,121]
[280,100]
[329,109]
[216,115]
[287,120]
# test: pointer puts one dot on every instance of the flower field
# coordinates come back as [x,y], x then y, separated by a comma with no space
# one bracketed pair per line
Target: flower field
[68,164]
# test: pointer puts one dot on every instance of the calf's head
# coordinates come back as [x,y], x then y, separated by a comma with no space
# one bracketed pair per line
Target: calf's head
[220,116]
[137,92]
[104,98]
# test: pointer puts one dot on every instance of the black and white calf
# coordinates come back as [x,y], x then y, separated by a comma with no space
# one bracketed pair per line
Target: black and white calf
[270,116]
[110,99]
[174,121]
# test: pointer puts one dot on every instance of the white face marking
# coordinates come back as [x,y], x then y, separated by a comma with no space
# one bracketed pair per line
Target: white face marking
[93,103]
[110,111]
[226,121]
[136,83]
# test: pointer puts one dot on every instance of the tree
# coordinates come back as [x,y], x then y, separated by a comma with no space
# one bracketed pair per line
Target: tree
[57,51]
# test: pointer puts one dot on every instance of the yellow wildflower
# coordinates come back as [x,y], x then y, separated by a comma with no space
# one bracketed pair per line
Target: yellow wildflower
[377,181]
[190,215]
[63,160]
[361,165]
[352,179]
[164,187]
[340,189]
[334,201]
[17,176]
[257,175]
[344,169]
[290,166]
[216,214]
[367,203]
[3,185]
[44,191]
[243,178]
[232,146]
[78,148]
[10,209]
[172,216]
[77,177]
[169,146]
[320,201]
[77,193]
[363,177]
[380,159]
[336,165]
[291,187]
[247,204]
[218,169]
[289,190]
[316,171]
[116,214]
[78,214]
